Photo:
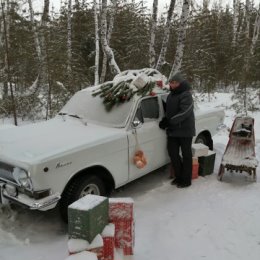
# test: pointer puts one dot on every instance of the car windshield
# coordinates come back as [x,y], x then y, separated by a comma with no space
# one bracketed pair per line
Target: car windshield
[85,106]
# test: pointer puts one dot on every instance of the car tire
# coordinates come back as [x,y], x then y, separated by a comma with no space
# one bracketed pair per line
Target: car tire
[78,188]
[203,139]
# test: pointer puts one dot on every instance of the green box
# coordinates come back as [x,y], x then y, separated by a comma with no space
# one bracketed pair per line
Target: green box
[206,163]
[87,217]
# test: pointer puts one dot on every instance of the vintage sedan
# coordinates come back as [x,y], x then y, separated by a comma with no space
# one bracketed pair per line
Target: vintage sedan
[86,149]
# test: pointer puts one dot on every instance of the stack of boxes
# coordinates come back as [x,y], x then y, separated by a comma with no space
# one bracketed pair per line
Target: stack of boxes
[99,225]
[203,160]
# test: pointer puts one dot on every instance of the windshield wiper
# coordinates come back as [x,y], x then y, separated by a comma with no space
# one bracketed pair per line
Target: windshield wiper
[62,114]
[76,116]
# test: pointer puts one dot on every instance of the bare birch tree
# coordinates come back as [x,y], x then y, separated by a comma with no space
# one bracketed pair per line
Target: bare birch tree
[181,37]
[69,50]
[161,59]
[95,6]
[104,40]
[35,33]
[6,23]
[255,32]
[39,34]
[109,34]
[7,37]
[153,30]
[235,20]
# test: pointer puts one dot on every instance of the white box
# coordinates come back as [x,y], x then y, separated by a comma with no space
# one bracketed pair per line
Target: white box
[140,81]
[199,150]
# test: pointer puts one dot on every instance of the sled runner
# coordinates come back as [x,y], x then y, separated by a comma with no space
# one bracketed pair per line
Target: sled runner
[239,155]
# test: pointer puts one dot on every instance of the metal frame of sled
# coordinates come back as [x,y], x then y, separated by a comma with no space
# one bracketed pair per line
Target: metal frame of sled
[239,155]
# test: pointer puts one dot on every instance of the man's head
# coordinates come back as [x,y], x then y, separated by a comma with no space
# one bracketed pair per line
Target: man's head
[175,80]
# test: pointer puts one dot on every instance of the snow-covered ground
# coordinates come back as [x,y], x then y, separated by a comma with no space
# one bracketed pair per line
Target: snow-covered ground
[209,220]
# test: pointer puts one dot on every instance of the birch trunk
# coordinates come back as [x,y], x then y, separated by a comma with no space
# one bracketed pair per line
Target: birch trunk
[35,33]
[255,32]
[247,18]
[44,73]
[245,69]
[69,50]
[161,59]
[95,5]
[8,21]
[108,37]
[106,49]
[6,24]
[235,21]
[181,37]
[153,30]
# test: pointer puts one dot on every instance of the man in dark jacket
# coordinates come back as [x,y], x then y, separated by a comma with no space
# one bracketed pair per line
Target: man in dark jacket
[180,129]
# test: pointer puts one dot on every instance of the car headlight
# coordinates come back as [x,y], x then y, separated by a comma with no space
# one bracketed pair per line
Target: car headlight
[22,178]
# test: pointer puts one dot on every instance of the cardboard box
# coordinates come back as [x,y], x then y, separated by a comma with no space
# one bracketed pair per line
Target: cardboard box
[108,236]
[87,217]
[125,236]
[121,209]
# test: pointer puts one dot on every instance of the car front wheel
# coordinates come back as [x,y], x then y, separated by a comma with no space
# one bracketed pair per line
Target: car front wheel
[78,188]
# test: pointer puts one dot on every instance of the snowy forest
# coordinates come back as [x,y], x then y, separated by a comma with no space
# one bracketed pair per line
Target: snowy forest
[46,56]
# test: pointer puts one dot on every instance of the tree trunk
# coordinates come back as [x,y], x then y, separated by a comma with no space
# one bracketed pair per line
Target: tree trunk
[95,5]
[106,49]
[69,48]
[153,30]
[255,32]
[108,38]
[2,32]
[181,37]
[161,59]
[7,66]
[35,33]
[235,21]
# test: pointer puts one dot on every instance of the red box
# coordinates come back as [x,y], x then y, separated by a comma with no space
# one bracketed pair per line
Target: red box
[108,236]
[109,246]
[99,252]
[121,209]
[195,168]
[124,236]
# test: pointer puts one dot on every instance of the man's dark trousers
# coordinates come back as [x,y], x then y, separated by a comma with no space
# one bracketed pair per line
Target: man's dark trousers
[182,165]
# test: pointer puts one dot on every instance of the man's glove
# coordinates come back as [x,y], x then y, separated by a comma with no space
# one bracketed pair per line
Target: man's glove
[163,124]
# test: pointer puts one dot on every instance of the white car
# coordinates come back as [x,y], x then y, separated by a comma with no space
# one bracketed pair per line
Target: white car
[85,149]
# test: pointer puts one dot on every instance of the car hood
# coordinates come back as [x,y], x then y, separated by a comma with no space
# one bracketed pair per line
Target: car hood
[40,141]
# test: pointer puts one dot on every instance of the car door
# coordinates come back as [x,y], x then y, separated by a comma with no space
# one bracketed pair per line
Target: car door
[147,137]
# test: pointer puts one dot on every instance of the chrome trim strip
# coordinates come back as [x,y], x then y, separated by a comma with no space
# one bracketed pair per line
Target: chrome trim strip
[35,204]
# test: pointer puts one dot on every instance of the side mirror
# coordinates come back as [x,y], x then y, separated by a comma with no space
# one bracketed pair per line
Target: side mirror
[136,124]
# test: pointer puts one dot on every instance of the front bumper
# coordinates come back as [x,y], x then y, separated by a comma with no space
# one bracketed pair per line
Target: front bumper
[45,203]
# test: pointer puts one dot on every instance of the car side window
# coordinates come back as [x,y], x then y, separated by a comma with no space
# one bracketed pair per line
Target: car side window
[148,110]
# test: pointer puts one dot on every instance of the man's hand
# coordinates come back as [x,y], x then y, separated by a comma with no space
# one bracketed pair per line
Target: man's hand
[163,124]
